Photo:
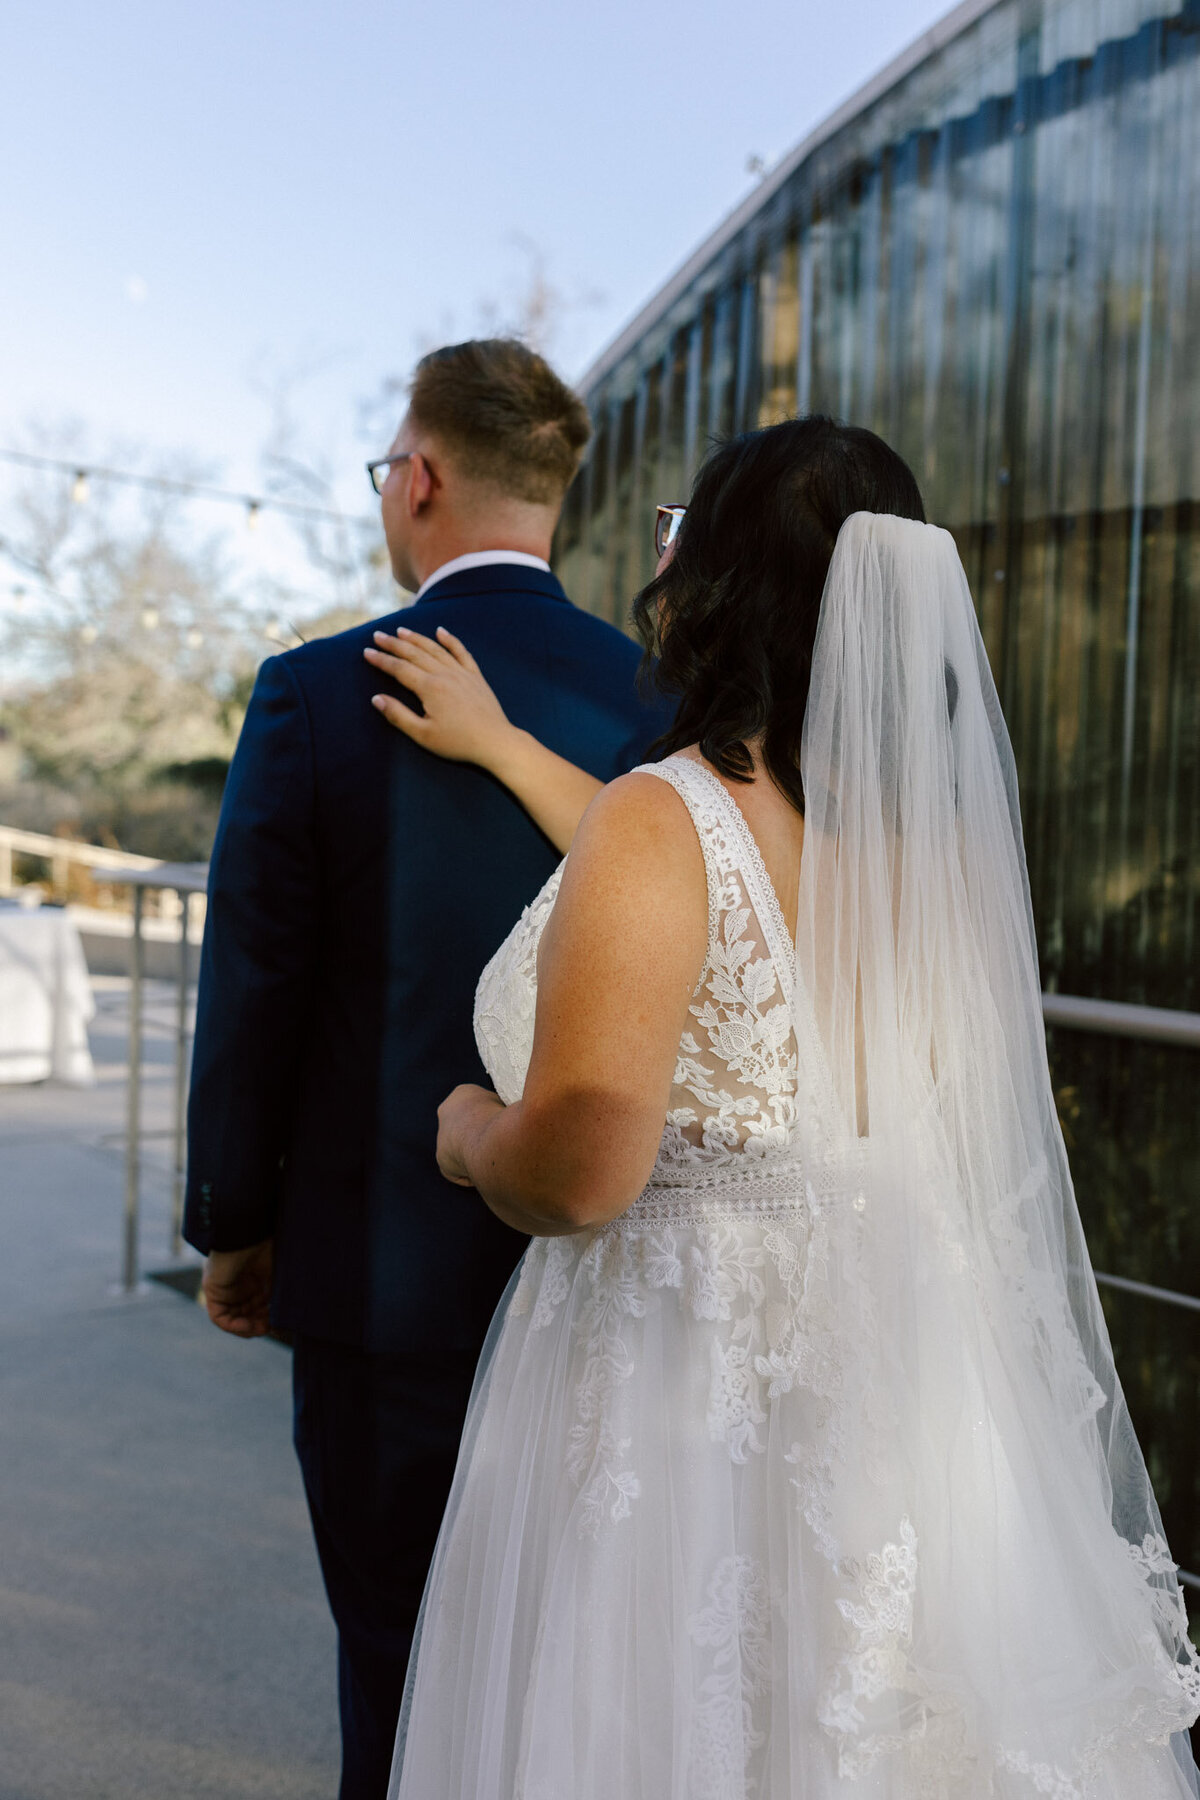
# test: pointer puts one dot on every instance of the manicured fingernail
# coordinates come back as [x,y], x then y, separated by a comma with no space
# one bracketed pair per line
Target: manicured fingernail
[377,701]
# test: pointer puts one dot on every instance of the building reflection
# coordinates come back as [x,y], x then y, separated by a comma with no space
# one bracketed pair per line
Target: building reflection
[992,257]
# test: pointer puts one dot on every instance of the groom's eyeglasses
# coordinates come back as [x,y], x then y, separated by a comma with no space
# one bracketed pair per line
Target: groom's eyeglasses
[666,527]
[379,470]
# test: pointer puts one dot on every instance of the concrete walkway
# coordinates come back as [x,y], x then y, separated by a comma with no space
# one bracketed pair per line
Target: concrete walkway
[163,1630]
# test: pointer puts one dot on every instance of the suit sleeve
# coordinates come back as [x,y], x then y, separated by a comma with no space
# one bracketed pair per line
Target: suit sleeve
[256,972]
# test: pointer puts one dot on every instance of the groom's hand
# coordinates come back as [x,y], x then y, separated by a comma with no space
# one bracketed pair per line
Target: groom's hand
[237,1289]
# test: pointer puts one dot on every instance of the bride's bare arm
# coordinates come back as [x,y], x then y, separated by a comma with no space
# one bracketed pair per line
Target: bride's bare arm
[618,963]
[465,722]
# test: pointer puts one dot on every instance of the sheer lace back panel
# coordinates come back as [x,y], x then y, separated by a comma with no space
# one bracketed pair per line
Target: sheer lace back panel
[746,1091]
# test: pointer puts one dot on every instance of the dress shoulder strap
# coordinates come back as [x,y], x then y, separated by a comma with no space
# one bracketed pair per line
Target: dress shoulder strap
[688,781]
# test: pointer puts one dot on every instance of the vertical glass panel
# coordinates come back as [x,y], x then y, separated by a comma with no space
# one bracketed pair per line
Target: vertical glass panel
[622,555]
[569,553]
[804,324]
[818,246]
[672,461]
[693,400]
[706,403]
[779,300]
[721,380]
[642,559]
[599,518]
[746,369]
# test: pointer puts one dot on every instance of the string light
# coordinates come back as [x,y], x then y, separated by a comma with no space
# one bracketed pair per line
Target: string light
[151,616]
[199,490]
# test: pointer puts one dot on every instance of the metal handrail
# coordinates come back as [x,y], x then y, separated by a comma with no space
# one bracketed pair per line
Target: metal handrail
[1114,1018]
[40,843]
[58,852]
[1147,1292]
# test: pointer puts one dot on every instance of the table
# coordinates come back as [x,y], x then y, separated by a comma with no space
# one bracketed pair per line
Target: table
[184,879]
[45,998]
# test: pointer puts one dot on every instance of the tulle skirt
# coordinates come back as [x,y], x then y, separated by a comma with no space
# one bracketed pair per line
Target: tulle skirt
[639,1593]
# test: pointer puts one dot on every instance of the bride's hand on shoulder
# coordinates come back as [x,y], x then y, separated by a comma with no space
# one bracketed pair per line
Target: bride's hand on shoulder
[463,720]
[462,1114]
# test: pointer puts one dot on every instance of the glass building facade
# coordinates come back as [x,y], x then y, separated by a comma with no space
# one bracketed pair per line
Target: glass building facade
[992,258]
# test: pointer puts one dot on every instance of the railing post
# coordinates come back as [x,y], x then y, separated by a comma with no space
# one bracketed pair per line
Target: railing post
[133,1120]
[181,1059]
[6,865]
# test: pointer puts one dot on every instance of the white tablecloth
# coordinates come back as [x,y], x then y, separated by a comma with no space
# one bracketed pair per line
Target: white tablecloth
[45,998]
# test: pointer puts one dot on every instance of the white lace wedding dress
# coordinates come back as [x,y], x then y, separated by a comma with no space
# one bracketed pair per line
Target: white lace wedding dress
[641,1590]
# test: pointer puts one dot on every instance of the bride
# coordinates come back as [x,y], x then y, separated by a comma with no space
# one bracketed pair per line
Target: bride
[797,1464]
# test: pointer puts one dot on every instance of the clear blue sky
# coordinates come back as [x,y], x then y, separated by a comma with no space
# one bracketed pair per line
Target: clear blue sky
[199,194]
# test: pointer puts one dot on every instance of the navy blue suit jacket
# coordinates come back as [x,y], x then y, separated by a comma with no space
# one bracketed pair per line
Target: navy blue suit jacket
[358,885]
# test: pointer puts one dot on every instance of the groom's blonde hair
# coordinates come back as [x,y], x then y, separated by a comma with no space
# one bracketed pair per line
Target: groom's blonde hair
[505,418]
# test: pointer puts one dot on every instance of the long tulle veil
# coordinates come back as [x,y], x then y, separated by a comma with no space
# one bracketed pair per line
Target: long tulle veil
[978,1478]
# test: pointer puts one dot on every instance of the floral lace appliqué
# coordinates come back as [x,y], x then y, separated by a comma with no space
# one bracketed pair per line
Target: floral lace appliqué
[879,1621]
[596,1450]
[735,1626]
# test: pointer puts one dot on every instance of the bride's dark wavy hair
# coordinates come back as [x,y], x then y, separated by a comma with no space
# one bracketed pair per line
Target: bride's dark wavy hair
[732,619]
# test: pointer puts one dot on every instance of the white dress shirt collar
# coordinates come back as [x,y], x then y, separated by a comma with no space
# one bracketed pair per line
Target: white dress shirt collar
[479,559]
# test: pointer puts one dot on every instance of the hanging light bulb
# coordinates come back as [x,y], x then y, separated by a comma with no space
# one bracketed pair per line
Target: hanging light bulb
[150,618]
[88,634]
[79,487]
[194,638]
[253,508]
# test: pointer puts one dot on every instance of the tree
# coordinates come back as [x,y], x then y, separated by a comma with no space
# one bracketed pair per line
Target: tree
[131,661]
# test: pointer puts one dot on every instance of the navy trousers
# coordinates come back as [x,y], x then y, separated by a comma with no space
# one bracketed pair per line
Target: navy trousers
[377,1436]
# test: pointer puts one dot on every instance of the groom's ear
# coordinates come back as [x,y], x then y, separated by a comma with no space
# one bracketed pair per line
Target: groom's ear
[422,485]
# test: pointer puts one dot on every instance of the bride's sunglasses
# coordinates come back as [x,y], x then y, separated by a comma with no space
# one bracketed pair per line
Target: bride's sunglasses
[667,521]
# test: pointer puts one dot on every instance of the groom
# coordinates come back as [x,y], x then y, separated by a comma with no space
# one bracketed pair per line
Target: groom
[358,886]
